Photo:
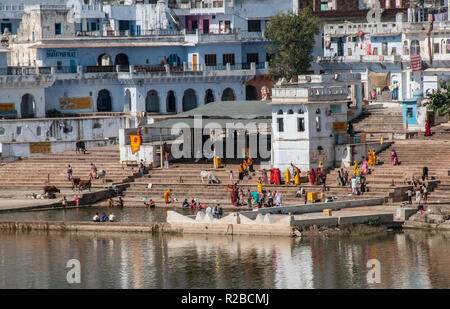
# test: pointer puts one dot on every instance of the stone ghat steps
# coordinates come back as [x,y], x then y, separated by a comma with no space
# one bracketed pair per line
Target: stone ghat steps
[225,201]
[33,172]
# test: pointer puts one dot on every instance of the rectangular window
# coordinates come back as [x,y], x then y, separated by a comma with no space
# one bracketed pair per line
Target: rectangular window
[228,58]
[280,124]
[254,26]
[5,26]
[384,49]
[19,130]
[57,29]
[335,108]
[301,124]
[318,124]
[227,26]
[59,65]
[211,60]
[436,48]
[253,57]
[394,51]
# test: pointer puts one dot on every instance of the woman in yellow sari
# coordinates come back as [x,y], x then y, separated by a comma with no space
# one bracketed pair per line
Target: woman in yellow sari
[297,176]
[356,169]
[288,176]
[260,188]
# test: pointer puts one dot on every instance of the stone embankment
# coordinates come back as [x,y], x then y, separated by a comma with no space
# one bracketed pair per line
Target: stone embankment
[428,221]
[87,226]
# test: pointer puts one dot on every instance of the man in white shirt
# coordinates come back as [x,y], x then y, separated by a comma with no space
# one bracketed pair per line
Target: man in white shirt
[209,210]
[354,185]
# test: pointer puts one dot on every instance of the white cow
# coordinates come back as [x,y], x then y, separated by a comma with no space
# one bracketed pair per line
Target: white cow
[209,176]
[102,175]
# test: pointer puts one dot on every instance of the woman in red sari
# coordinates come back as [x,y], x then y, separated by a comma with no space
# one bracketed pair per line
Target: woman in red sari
[272,176]
[313,176]
[427,128]
[277,176]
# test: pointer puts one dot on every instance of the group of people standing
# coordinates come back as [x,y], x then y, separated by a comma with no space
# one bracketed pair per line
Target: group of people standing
[318,176]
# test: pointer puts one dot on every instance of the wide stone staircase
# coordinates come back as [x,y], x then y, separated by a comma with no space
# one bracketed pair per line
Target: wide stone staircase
[379,122]
[33,173]
[191,186]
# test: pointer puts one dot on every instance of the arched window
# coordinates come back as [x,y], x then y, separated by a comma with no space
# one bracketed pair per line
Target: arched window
[2,131]
[104,60]
[171,102]
[290,112]
[127,103]
[448,46]
[104,103]
[28,106]
[318,111]
[121,59]
[251,93]
[152,102]
[280,121]
[228,95]
[300,111]
[209,96]
[189,100]
[38,131]
[415,48]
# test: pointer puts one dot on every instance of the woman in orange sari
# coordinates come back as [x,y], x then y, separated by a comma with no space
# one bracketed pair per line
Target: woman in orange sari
[250,164]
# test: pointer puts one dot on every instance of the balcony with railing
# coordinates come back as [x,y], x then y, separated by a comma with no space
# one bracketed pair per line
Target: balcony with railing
[360,58]
[388,29]
[11,11]
[137,70]
[202,7]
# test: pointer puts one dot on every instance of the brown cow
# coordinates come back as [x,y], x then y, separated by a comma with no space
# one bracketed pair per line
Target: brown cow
[84,184]
[51,189]
[75,183]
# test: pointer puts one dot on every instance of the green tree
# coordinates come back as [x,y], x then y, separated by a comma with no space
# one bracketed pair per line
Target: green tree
[440,99]
[292,37]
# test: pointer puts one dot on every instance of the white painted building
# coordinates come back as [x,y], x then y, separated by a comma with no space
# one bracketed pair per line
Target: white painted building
[310,116]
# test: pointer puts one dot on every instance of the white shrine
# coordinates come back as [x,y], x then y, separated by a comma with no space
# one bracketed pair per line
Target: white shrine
[309,118]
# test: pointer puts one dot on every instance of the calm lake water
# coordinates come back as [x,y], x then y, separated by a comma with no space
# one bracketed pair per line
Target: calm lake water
[413,259]
[125,214]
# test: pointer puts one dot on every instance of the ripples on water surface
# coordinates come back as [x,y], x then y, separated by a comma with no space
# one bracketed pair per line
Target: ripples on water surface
[38,260]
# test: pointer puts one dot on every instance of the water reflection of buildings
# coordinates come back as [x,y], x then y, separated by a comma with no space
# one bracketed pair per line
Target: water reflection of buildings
[408,260]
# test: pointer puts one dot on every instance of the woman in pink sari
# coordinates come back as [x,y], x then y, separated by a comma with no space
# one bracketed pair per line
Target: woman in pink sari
[365,166]
[427,128]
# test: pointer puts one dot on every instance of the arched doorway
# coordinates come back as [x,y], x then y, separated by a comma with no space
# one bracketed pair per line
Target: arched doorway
[28,106]
[173,60]
[228,95]
[250,93]
[104,60]
[171,102]
[189,100]
[121,59]
[104,101]
[152,102]
[209,96]
[127,103]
